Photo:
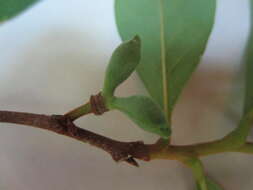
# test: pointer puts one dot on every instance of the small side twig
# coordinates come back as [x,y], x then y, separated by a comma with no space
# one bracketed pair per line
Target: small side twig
[96,105]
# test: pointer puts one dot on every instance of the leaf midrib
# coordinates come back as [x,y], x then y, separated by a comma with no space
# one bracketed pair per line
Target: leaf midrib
[163,63]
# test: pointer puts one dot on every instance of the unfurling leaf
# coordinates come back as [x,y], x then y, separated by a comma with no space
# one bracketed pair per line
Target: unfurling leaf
[122,63]
[144,112]
[211,185]
[11,8]
[174,35]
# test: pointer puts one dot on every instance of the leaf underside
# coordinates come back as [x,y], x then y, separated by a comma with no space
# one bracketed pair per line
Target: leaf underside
[174,35]
[145,113]
[11,8]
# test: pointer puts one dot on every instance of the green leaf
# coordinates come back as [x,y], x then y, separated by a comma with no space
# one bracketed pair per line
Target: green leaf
[144,112]
[174,35]
[238,137]
[248,101]
[122,63]
[211,185]
[11,8]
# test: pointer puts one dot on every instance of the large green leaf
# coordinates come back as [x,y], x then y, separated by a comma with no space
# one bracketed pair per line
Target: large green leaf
[174,34]
[211,185]
[248,102]
[11,8]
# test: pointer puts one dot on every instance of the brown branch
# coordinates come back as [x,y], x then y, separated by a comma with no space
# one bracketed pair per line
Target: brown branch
[120,151]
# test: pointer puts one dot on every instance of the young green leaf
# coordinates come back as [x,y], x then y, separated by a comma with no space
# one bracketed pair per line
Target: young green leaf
[211,185]
[122,63]
[248,102]
[174,35]
[239,136]
[144,112]
[11,8]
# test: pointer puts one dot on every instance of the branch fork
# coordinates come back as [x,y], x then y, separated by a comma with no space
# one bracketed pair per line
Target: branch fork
[119,151]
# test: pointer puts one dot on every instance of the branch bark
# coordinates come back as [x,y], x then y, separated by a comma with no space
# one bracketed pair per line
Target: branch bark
[120,151]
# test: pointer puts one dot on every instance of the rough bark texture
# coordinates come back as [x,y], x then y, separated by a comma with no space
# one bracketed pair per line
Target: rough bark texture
[120,151]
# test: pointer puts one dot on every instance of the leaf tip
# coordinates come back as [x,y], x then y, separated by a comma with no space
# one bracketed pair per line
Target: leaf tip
[136,39]
[135,42]
[165,133]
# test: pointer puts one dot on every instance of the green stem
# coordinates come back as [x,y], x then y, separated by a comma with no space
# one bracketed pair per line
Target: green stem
[198,171]
[238,137]
[79,112]
[175,152]
[246,148]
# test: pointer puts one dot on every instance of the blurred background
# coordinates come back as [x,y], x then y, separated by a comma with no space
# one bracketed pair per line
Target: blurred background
[53,58]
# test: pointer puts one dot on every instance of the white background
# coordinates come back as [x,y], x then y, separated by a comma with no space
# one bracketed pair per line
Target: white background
[53,57]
